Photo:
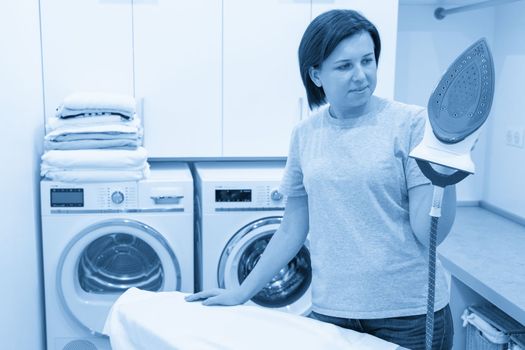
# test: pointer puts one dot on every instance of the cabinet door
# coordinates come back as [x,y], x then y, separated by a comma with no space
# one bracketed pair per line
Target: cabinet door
[87,46]
[384,16]
[22,321]
[263,93]
[178,76]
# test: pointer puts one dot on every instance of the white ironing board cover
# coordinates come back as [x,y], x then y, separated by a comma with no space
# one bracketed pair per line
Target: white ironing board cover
[164,320]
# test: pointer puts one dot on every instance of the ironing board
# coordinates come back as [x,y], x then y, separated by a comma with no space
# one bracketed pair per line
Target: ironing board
[164,320]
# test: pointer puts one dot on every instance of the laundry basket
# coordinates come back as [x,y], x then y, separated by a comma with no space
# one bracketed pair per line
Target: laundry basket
[517,342]
[488,328]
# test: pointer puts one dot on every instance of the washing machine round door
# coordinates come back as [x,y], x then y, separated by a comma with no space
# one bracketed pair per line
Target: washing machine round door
[107,258]
[289,290]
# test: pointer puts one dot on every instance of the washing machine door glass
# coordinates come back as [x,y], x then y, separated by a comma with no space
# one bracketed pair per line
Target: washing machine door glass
[107,258]
[285,288]
[118,261]
[289,290]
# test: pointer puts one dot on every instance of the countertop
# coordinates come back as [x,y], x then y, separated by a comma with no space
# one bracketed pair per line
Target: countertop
[486,252]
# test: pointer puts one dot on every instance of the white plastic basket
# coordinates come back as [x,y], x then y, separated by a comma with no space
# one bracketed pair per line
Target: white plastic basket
[488,328]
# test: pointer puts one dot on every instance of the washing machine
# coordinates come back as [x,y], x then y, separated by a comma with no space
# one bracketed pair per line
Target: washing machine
[238,210]
[99,239]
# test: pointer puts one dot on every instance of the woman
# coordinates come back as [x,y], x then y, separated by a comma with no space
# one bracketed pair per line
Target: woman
[364,202]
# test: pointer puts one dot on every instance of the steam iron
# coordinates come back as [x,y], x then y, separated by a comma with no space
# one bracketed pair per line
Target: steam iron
[458,107]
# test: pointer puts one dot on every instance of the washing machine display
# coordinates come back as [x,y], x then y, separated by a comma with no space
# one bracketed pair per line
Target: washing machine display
[101,239]
[240,209]
[233,195]
[67,197]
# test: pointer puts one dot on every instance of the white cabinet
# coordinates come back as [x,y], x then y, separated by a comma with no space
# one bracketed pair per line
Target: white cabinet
[21,306]
[263,94]
[262,89]
[384,16]
[178,76]
[214,78]
[87,46]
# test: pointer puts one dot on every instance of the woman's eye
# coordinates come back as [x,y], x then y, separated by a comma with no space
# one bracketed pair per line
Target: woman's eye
[343,66]
[367,61]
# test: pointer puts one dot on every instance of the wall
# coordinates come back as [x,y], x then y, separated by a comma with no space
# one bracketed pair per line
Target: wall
[21,306]
[504,184]
[426,47]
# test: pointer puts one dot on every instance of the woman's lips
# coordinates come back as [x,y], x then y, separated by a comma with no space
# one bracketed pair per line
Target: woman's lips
[360,90]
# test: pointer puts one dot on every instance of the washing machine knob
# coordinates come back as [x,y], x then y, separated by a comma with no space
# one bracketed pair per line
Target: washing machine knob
[117,197]
[276,195]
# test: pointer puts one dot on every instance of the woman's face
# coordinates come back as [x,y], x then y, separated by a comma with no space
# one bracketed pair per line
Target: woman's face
[349,75]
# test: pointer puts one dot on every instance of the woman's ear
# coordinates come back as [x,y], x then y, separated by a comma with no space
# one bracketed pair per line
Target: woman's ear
[314,75]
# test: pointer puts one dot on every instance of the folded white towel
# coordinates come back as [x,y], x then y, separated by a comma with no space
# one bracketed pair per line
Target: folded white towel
[98,175]
[46,169]
[100,132]
[148,320]
[53,123]
[121,143]
[95,159]
[93,102]
[88,113]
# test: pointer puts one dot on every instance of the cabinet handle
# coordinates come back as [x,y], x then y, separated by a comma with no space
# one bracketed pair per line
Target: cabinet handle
[301,108]
[142,108]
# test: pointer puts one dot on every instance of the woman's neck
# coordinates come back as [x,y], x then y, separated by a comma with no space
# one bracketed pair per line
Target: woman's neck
[354,112]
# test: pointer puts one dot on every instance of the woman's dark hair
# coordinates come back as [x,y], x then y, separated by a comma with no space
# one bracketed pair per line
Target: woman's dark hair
[320,39]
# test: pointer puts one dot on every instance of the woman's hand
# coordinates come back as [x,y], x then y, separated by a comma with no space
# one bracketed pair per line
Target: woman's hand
[218,296]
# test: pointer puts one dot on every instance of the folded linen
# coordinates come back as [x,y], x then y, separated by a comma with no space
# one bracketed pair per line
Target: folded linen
[45,169]
[53,123]
[119,143]
[97,175]
[97,132]
[148,320]
[90,103]
[95,158]
[63,112]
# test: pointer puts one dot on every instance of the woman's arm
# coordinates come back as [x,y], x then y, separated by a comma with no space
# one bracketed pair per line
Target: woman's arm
[284,245]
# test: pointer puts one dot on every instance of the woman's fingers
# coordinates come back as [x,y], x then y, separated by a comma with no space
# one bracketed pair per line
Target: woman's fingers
[474,145]
[211,301]
[221,299]
[216,296]
[205,294]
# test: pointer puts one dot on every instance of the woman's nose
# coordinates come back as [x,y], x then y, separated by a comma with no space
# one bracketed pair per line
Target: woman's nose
[359,73]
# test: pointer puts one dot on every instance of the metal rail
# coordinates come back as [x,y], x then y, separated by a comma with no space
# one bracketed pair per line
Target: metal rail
[441,12]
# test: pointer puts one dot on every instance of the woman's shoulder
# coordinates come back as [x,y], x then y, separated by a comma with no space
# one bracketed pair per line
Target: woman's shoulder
[402,108]
[403,114]
[313,119]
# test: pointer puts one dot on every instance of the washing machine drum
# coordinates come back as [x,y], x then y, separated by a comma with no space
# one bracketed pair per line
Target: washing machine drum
[107,258]
[118,261]
[289,289]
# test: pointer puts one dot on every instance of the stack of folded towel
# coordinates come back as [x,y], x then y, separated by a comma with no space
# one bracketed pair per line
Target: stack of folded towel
[94,121]
[94,137]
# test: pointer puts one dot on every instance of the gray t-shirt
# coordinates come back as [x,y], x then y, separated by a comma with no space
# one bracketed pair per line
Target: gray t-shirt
[366,260]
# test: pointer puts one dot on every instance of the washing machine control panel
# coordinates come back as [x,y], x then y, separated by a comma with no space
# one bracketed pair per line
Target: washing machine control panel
[117,197]
[276,195]
[92,196]
[240,197]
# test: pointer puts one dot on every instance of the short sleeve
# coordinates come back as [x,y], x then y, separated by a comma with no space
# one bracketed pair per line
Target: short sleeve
[414,176]
[292,181]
